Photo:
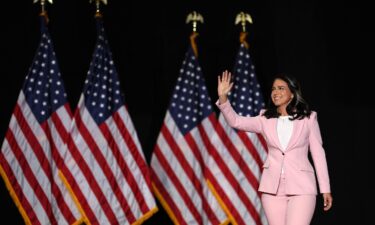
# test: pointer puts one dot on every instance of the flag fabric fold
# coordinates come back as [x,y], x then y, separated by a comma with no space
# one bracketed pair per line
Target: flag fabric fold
[35,143]
[179,158]
[106,169]
[237,157]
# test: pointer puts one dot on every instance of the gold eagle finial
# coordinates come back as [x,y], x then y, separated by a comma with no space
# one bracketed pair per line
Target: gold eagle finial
[243,17]
[195,18]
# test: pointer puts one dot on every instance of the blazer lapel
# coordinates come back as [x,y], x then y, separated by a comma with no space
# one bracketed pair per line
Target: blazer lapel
[296,132]
[273,133]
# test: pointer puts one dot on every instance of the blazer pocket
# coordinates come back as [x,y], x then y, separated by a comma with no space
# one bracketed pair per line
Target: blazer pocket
[307,169]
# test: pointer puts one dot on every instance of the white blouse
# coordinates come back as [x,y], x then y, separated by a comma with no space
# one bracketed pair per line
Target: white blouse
[284,130]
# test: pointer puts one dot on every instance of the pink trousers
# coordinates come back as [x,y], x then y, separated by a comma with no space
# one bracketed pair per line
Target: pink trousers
[282,209]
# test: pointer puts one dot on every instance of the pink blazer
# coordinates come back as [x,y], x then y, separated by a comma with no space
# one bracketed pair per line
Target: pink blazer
[299,173]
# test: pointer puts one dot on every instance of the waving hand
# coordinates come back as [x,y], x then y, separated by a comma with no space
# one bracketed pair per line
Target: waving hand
[224,85]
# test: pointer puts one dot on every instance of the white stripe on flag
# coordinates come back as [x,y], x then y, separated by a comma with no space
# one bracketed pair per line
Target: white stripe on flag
[179,171]
[181,142]
[37,170]
[172,191]
[26,187]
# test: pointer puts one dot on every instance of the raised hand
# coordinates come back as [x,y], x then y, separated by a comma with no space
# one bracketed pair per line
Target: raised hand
[224,85]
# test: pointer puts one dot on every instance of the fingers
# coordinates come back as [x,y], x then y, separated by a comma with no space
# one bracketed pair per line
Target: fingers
[230,86]
[327,206]
[225,77]
[327,201]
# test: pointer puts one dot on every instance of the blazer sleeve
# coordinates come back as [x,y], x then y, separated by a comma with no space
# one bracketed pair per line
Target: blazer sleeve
[318,154]
[250,124]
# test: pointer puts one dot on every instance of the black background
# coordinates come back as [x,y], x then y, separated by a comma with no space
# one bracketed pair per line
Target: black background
[329,48]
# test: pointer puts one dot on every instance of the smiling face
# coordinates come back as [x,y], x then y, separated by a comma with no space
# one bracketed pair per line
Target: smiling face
[281,95]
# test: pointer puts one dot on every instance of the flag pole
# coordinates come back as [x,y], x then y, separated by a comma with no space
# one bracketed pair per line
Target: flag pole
[194,18]
[243,18]
[97,4]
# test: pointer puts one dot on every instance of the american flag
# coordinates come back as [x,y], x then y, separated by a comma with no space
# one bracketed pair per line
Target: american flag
[35,142]
[179,159]
[237,157]
[107,171]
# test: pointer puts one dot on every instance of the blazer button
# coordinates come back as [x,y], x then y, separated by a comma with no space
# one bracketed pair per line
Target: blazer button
[283,153]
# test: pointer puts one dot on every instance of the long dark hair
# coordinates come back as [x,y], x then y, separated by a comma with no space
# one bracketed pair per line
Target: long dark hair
[297,108]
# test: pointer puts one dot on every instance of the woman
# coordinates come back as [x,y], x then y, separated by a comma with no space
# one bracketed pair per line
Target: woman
[291,130]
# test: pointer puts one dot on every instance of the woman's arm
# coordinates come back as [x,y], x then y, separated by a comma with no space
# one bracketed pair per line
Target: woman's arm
[320,162]
[251,124]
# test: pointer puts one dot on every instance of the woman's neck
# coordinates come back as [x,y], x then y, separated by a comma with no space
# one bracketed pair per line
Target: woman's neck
[282,111]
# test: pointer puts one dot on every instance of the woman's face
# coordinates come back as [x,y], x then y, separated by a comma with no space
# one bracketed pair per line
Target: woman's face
[281,94]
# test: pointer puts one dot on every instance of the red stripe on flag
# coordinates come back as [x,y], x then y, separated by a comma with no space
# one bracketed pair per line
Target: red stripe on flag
[86,171]
[33,142]
[184,164]
[60,128]
[228,174]
[235,155]
[18,190]
[30,176]
[176,181]
[263,142]
[64,208]
[68,111]
[206,207]
[250,147]
[126,172]
[181,159]
[139,159]
[167,198]
[95,151]
[38,151]
[75,187]
[63,133]
[223,196]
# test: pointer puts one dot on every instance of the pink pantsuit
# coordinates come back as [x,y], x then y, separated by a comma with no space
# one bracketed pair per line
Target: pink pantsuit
[298,177]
